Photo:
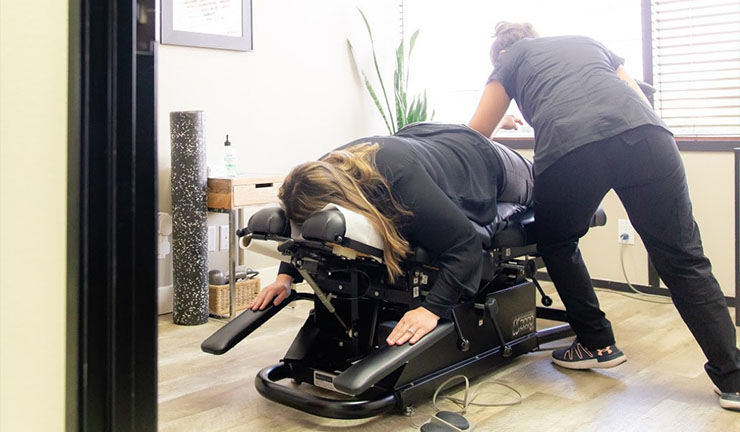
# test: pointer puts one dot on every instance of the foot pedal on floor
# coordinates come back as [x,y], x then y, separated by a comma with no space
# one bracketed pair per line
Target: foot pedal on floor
[447,421]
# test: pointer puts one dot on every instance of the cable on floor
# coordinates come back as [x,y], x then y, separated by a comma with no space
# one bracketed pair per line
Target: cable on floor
[470,396]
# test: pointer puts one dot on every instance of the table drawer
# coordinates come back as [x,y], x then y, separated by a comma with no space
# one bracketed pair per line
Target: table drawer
[254,194]
[227,193]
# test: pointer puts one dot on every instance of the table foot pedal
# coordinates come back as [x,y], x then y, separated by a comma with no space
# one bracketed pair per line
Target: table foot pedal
[447,421]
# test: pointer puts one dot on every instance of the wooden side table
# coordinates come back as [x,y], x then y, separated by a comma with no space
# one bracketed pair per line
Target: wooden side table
[231,194]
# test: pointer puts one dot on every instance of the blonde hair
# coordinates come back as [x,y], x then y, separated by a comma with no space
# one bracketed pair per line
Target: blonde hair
[350,178]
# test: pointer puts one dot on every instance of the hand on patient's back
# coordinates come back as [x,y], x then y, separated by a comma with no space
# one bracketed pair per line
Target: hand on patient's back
[413,326]
[278,290]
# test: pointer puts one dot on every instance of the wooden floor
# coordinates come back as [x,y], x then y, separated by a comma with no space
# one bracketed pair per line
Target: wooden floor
[661,387]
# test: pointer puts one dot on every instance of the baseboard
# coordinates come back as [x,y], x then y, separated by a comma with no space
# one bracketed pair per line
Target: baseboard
[623,287]
[164,299]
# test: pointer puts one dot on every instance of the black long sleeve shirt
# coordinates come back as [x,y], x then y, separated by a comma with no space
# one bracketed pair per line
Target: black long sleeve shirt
[448,175]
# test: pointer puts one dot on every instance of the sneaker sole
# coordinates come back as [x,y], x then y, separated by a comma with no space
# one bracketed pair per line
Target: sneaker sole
[729,405]
[591,363]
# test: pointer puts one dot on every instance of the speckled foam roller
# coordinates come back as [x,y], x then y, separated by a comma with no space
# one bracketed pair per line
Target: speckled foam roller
[189,229]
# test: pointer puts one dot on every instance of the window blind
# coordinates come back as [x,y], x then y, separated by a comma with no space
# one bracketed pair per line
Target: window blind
[696,65]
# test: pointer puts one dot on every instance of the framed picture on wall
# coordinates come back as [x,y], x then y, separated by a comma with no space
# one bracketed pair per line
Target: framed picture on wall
[222,24]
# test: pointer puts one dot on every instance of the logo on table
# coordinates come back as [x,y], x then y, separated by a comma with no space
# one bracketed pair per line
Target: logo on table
[523,324]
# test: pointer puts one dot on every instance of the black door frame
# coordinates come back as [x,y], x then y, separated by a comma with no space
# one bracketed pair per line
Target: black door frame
[112,190]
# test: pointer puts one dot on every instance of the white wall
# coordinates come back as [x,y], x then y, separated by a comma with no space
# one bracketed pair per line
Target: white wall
[295,96]
[33,214]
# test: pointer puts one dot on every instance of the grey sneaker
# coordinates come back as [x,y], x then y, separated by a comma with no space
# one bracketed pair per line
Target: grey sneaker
[578,356]
[729,401]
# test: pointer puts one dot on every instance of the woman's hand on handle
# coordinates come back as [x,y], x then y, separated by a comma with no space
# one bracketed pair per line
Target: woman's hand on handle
[278,290]
[413,326]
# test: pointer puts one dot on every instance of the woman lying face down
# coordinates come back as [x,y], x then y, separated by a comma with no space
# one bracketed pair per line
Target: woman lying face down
[422,185]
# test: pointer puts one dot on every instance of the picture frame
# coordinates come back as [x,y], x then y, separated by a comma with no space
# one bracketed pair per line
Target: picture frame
[219,24]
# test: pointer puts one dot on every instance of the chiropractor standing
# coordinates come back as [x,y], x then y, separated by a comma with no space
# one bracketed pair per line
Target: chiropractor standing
[596,131]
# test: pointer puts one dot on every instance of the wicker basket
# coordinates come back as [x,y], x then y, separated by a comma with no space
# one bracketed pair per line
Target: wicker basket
[218,296]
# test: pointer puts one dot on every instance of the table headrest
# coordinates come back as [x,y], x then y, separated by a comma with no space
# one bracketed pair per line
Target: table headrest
[342,226]
[349,233]
[270,220]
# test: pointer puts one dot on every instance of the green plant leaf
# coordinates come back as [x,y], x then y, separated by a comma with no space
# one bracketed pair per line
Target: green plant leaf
[418,109]
[413,114]
[377,68]
[399,89]
[369,86]
[405,113]
[423,109]
[412,42]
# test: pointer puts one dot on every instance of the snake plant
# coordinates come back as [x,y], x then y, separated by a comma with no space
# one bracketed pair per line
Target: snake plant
[405,112]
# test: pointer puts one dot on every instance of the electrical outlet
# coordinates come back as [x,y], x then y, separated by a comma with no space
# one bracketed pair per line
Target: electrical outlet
[212,239]
[224,237]
[626,234]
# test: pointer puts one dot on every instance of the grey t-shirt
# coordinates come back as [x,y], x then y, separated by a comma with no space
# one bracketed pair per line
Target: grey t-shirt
[567,88]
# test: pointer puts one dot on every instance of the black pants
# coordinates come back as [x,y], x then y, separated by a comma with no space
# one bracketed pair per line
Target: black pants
[645,169]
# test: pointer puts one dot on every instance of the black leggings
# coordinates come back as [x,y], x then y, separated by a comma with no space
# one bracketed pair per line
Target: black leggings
[645,169]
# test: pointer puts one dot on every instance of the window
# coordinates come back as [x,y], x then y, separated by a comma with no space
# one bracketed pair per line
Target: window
[451,56]
[696,65]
